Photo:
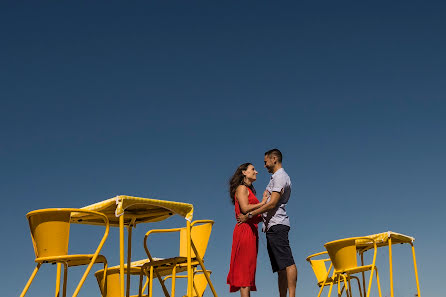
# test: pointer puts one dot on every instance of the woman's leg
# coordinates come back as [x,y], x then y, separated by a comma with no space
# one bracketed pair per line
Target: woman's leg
[245,292]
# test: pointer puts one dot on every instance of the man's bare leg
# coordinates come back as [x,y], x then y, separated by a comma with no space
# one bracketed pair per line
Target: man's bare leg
[282,282]
[291,274]
[245,292]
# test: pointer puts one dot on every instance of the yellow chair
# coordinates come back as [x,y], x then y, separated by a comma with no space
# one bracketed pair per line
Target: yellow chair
[343,257]
[50,229]
[200,233]
[200,283]
[322,274]
[111,286]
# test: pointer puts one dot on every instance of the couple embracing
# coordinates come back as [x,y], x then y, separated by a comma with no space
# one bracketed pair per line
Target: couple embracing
[249,212]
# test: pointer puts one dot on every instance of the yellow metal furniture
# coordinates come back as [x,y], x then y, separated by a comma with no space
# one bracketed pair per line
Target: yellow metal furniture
[127,211]
[388,239]
[323,275]
[50,230]
[200,282]
[343,257]
[200,233]
[111,287]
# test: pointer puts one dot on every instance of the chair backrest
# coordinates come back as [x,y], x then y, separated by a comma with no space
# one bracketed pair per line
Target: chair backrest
[113,284]
[200,284]
[50,232]
[200,236]
[342,253]
[319,269]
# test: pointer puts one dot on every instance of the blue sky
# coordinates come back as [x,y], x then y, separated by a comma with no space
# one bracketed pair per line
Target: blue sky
[165,99]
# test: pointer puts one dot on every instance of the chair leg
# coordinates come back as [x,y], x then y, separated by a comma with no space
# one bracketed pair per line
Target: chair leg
[377,281]
[342,289]
[195,288]
[104,280]
[349,286]
[141,277]
[325,280]
[339,284]
[363,275]
[205,272]
[65,276]
[87,271]
[346,285]
[58,279]
[30,280]
[359,285]
[166,293]
[174,272]
[322,287]
[329,290]
[370,281]
[152,271]
[151,281]
[145,285]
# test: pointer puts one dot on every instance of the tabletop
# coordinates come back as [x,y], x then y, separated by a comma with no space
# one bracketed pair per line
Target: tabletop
[382,239]
[135,210]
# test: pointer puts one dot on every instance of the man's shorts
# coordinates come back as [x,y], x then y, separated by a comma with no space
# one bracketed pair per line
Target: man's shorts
[279,247]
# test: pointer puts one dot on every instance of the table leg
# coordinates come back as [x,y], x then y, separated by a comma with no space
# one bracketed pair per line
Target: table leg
[415,268]
[121,255]
[390,266]
[129,255]
[189,266]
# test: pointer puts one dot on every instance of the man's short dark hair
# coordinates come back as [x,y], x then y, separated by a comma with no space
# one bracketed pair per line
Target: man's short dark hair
[276,153]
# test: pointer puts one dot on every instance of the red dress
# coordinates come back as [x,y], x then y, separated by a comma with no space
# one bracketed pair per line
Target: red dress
[245,242]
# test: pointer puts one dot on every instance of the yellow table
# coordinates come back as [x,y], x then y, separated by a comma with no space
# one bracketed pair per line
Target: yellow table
[387,239]
[129,211]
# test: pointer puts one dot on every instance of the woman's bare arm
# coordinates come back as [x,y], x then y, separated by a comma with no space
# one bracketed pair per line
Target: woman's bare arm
[242,194]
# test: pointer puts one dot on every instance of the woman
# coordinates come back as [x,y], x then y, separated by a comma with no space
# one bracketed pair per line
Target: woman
[245,238]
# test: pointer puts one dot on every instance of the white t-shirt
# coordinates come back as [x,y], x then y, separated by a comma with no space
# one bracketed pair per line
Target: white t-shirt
[280,182]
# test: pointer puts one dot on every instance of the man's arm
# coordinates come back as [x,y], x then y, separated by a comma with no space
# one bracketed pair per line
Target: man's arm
[271,204]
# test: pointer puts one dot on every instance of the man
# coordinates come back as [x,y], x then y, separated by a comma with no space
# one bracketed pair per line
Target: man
[276,223]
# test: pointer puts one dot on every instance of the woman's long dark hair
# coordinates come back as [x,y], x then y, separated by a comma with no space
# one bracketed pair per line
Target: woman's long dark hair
[237,179]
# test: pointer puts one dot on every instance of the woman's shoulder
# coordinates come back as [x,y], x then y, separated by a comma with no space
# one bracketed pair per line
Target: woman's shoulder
[241,189]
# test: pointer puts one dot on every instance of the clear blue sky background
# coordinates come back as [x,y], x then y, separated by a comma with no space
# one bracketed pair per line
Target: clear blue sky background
[164,99]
